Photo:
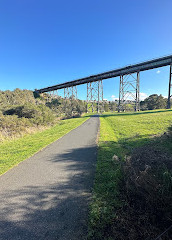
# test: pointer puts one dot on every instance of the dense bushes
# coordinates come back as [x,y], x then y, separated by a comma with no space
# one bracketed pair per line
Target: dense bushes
[20,111]
[19,120]
[12,126]
[16,97]
[154,101]
[37,114]
[74,107]
[67,107]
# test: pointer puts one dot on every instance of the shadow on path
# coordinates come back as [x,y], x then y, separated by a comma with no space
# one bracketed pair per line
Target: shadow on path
[57,211]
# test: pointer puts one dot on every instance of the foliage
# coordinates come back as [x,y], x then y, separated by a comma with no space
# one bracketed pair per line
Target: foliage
[106,107]
[39,114]
[12,126]
[110,106]
[113,106]
[16,97]
[154,101]
[74,107]
[21,110]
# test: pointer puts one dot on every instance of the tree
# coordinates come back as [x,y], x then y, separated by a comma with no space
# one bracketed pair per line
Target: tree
[154,101]
[106,107]
[113,106]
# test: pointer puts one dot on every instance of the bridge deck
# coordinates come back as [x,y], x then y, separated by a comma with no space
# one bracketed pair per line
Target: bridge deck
[143,66]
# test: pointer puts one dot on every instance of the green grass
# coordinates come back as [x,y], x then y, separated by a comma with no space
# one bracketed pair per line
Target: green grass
[135,129]
[120,133]
[14,151]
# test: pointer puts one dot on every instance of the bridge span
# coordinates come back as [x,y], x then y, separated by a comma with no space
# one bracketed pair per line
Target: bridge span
[129,83]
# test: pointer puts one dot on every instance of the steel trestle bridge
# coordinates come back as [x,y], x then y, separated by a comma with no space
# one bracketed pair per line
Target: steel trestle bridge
[129,83]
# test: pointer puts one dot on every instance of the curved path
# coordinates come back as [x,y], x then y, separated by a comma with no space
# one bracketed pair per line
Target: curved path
[47,196]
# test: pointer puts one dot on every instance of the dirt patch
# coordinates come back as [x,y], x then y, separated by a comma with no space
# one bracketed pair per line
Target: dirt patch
[147,211]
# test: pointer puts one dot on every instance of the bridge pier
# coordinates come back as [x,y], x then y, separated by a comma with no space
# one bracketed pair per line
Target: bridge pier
[48,99]
[129,87]
[95,96]
[169,89]
[70,92]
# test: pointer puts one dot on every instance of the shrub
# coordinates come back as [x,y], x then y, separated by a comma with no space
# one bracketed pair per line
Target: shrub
[37,114]
[43,115]
[12,125]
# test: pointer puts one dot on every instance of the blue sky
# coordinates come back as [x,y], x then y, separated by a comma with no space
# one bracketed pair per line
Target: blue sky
[45,42]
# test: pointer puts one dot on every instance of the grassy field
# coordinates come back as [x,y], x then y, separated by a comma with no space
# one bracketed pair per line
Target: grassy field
[14,151]
[120,134]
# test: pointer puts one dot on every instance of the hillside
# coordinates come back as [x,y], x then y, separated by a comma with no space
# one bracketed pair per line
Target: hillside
[21,112]
[133,185]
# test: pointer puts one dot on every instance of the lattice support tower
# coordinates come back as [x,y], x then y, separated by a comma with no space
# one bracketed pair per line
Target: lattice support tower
[70,92]
[48,97]
[54,94]
[129,91]
[57,94]
[169,89]
[95,96]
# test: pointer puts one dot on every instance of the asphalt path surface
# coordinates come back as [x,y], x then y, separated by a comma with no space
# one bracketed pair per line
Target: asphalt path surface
[47,196]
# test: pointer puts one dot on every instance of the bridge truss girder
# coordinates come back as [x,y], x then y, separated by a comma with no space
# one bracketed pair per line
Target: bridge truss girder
[169,89]
[95,95]
[129,87]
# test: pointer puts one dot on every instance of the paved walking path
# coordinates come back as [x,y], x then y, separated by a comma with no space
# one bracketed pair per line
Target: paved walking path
[47,196]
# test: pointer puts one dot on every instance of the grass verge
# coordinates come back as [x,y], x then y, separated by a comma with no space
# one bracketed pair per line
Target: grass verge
[15,151]
[120,135]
